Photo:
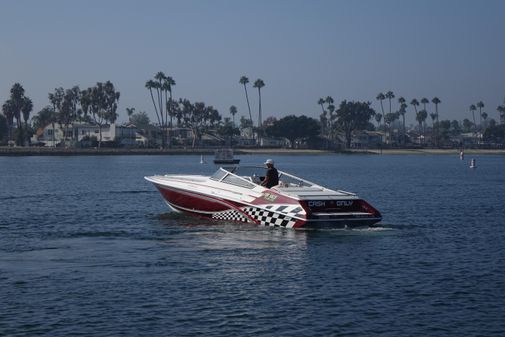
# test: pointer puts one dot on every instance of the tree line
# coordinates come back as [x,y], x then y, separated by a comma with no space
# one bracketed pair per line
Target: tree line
[197,116]
[98,105]
[18,107]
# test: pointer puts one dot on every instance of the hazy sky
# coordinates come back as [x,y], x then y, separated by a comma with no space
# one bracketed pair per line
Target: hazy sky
[303,50]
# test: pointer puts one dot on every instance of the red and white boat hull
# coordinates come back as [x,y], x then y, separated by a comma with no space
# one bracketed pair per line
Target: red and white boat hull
[266,207]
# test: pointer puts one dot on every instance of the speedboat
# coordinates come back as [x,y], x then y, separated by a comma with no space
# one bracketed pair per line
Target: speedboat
[236,194]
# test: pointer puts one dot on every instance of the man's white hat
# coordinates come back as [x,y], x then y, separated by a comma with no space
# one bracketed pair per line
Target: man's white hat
[269,161]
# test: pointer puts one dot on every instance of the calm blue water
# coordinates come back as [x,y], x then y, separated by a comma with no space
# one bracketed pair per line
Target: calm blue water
[87,247]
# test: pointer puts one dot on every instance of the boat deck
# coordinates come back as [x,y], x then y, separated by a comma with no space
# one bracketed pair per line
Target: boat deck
[191,178]
[314,192]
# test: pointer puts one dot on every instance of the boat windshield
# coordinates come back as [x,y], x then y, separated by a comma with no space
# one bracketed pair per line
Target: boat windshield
[255,174]
[219,174]
[226,176]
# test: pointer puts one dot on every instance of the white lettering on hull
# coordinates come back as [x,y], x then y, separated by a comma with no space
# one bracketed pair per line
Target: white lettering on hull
[336,203]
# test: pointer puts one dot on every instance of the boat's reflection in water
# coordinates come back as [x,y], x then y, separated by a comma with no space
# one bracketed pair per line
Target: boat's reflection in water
[216,235]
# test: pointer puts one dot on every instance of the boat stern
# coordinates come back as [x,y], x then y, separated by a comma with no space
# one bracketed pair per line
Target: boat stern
[340,212]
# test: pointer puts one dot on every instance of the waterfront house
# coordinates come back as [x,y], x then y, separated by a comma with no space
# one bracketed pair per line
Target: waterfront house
[84,134]
[366,139]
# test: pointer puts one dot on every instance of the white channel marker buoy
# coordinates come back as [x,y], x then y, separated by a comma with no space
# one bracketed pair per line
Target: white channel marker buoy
[462,155]
[202,161]
[473,164]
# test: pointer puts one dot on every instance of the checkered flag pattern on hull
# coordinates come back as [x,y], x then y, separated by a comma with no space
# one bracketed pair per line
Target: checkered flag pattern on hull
[230,215]
[288,210]
[267,218]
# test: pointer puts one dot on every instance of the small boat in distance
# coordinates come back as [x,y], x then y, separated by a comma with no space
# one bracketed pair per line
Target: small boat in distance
[236,194]
[225,157]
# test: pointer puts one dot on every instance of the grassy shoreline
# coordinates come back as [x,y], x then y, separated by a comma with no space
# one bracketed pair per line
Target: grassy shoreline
[41,151]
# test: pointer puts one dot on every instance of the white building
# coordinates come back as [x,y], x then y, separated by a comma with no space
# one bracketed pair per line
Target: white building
[126,135]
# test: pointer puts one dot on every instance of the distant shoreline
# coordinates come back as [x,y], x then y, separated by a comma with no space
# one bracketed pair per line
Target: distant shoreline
[438,151]
[42,151]
[47,151]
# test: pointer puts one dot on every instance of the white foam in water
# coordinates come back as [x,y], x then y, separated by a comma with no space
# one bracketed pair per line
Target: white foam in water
[350,230]
[372,229]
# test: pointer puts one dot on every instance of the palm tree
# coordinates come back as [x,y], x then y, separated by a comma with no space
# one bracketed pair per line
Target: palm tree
[161,85]
[167,86]
[380,97]
[421,118]
[433,118]
[501,110]
[331,109]
[389,120]
[324,118]
[390,95]
[480,105]
[331,119]
[233,112]
[26,108]
[415,104]
[321,103]
[8,111]
[160,77]
[473,108]
[244,80]
[259,84]
[436,101]
[56,100]
[164,86]
[434,131]
[150,85]
[424,101]
[484,117]
[17,98]
[403,111]
[378,118]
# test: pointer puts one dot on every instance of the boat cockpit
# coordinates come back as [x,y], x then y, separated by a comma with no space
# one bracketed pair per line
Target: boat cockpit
[252,176]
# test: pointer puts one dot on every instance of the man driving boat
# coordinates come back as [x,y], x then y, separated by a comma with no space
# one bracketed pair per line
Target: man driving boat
[271,176]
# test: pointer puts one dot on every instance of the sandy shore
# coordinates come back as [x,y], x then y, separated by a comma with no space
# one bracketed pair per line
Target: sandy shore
[42,151]
[438,151]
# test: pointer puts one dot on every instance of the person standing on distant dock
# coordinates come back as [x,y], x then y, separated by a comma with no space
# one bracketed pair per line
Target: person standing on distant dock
[272,176]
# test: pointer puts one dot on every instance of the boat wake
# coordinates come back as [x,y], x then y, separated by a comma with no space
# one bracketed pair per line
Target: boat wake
[182,219]
[349,230]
